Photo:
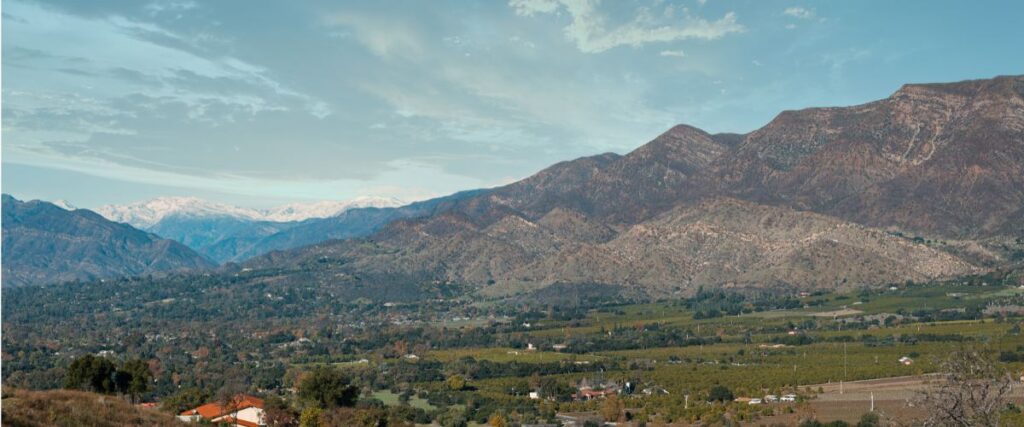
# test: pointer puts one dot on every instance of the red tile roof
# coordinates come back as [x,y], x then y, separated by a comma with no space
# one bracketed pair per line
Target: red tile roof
[210,411]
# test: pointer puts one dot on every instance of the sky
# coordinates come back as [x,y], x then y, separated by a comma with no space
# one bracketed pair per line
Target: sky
[259,103]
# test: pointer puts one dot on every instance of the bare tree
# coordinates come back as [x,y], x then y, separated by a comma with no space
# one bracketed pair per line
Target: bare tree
[972,391]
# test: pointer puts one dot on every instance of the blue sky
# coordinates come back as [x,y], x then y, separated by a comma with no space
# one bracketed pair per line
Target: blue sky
[258,103]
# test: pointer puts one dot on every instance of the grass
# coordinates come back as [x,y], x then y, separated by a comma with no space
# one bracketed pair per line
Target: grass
[391,399]
[69,408]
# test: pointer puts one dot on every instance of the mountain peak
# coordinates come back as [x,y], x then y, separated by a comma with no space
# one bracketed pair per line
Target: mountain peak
[148,213]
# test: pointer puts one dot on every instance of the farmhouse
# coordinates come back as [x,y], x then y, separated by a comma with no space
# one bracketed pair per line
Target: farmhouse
[242,411]
[601,389]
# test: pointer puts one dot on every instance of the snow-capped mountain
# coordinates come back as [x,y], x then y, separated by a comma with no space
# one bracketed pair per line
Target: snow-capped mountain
[149,213]
[326,209]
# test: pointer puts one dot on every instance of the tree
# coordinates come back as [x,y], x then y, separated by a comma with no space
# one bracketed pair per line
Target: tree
[497,420]
[183,400]
[869,419]
[277,412]
[454,417]
[972,392]
[310,417]
[720,393]
[138,378]
[327,388]
[91,373]
[456,382]
[611,409]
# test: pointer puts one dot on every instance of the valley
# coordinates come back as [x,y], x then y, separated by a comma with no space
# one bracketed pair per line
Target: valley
[212,335]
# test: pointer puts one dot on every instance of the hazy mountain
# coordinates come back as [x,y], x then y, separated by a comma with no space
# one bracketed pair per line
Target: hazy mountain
[224,232]
[816,198]
[149,213]
[43,243]
[352,223]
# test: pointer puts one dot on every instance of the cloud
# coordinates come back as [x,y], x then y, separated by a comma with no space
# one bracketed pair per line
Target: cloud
[127,56]
[384,37]
[157,8]
[799,12]
[533,7]
[590,31]
[675,53]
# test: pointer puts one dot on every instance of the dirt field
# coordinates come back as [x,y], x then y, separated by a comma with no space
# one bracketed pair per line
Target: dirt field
[893,397]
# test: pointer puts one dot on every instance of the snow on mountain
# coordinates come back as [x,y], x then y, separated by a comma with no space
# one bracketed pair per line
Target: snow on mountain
[327,208]
[148,213]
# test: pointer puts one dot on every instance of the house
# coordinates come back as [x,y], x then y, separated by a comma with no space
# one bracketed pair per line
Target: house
[412,357]
[242,411]
[530,347]
[535,395]
[601,389]
[591,394]
[559,347]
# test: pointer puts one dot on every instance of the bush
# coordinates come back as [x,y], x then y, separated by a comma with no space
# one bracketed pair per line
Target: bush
[327,388]
[720,393]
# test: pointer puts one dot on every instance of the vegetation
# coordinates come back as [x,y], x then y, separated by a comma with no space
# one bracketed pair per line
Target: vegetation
[72,408]
[461,361]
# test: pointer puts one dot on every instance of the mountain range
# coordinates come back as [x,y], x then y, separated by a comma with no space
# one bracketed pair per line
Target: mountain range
[224,233]
[44,243]
[150,213]
[925,184]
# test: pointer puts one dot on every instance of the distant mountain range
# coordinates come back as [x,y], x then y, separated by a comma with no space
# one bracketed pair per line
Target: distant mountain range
[44,243]
[927,183]
[151,212]
[224,232]
[924,184]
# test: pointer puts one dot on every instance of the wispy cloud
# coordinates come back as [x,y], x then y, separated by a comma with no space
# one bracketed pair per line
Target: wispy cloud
[799,12]
[383,36]
[591,32]
[675,53]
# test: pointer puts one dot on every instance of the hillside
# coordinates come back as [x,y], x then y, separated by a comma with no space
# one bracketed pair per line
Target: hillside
[935,159]
[43,243]
[818,198]
[23,408]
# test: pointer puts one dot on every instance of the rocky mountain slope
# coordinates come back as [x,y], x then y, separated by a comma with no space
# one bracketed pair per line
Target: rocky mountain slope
[935,159]
[43,243]
[816,198]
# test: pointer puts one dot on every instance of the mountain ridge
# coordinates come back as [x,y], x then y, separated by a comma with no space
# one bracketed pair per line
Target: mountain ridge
[44,243]
[834,168]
